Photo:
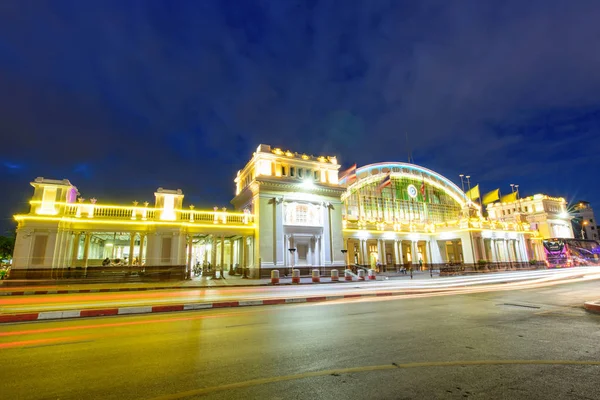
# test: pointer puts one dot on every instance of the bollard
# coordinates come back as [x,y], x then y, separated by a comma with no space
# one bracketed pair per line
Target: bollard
[335,275]
[315,276]
[372,275]
[296,276]
[275,277]
[361,274]
[348,275]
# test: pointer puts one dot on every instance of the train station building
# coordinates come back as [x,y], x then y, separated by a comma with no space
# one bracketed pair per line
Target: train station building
[289,210]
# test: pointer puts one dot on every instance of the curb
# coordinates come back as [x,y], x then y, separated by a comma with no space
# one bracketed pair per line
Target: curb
[71,314]
[592,306]
[137,289]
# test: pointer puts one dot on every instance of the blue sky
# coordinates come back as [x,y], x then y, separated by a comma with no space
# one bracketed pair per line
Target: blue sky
[122,97]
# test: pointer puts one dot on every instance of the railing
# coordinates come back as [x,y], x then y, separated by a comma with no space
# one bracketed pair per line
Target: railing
[137,213]
[425,227]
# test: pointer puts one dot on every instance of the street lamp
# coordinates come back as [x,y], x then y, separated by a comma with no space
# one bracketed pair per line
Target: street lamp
[292,259]
[344,251]
[462,182]
[583,224]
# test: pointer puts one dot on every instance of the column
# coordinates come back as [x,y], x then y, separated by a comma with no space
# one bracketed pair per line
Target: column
[317,251]
[243,252]
[142,255]
[231,255]
[131,247]
[415,253]
[428,252]
[213,253]
[222,252]
[380,251]
[400,255]
[190,244]
[75,249]
[493,250]
[396,261]
[361,249]
[86,249]
[286,253]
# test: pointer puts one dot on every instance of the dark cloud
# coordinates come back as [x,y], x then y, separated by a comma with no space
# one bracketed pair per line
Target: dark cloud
[123,97]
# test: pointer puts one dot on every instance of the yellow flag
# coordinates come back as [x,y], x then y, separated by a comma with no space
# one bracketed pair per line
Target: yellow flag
[491,197]
[509,198]
[473,194]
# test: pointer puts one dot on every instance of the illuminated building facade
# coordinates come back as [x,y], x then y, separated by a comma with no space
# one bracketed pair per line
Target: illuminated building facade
[584,221]
[545,214]
[292,210]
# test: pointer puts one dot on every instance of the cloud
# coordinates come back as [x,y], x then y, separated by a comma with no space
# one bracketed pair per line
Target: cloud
[179,94]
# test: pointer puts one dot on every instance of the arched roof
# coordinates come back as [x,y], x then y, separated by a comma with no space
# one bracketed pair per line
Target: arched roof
[399,169]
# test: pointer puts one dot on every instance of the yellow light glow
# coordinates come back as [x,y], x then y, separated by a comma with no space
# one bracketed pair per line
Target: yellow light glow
[129,222]
[120,207]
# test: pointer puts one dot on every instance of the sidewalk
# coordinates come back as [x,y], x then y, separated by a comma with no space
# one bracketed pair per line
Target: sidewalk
[56,287]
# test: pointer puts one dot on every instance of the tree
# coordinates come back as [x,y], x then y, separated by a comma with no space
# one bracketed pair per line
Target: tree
[7,247]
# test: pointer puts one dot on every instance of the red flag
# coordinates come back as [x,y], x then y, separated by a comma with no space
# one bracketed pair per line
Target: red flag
[387,181]
[350,173]
[423,189]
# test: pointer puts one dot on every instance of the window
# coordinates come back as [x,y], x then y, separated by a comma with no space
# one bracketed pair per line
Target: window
[591,221]
[282,170]
[316,175]
[526,209]
[299,172]
[301,214]
[292,171]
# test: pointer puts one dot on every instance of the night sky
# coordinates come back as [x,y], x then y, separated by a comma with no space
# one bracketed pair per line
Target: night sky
[121,97]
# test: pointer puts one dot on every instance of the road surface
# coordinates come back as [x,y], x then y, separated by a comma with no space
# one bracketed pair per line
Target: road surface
[485,282]
[522,344]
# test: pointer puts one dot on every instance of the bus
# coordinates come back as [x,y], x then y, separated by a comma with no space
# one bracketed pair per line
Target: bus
[562,253]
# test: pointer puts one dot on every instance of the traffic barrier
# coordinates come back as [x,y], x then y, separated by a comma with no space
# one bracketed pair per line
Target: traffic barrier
[335,275]
[316,277]
[361,274]
[275,277]
[296,276]
[348,275]
[372,275]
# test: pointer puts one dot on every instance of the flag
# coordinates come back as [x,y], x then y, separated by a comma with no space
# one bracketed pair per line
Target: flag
[350,173]
[423,189]
[509,198]
[473,194]
[491,197]
[387,181]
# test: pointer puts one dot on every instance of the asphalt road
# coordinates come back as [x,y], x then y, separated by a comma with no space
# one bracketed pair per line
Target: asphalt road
[500,281]
[528,344]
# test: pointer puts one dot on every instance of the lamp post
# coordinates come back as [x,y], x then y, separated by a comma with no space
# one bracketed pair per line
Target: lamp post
[344,251]
[583,224]
[462,182]
[292,259]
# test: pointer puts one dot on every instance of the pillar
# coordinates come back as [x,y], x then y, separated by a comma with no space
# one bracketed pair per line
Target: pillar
[243,252]
[400,251]
[142,253]
[131,247]
[380,251]
[317,260]
[86,249]
[222,251]
[213,252]
[75,248]
[361,249]
[190,244]
[231,255]
[396,262]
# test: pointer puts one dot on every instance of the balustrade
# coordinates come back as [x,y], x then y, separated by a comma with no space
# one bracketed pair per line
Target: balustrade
[88,211]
